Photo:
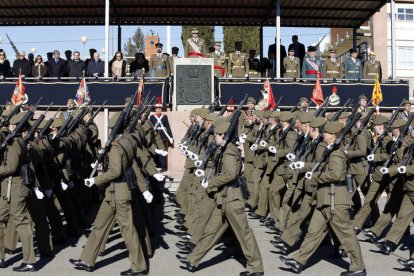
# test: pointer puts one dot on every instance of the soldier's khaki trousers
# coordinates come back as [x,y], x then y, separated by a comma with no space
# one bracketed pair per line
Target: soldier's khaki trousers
[18,208]
[263,200]
[254,193]
[122,213]
[236,217]
[404,217]
[207,206]
[341,224]
[276,191]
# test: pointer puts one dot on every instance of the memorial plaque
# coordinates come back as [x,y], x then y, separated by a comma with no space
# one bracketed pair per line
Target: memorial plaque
[193,83]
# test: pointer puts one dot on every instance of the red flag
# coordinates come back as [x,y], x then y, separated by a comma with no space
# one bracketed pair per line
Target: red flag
[270,99]
[19,96]
[317,94]
[140,89]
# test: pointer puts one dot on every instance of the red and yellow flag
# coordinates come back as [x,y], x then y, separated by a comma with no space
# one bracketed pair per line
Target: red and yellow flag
[317,94]
[376,92]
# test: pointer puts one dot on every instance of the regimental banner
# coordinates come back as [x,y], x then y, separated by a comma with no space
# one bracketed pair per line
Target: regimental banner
[292,92]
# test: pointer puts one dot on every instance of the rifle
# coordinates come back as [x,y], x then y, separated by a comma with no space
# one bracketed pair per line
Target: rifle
[12,45]
[49,123]
[138,115]
[397,142]
[116,130]
[339,112]
[77,120]
[264,142]
[354,109]
[331,148]
[364,123]
[387,129]
[293,109]
[214,104]
[2,108]
[323,108]
[19,127]
[32,131]
[90,121]
[63,128]
[147,112]
[6,121]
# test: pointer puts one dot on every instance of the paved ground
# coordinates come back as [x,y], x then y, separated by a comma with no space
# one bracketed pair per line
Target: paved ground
[217,262]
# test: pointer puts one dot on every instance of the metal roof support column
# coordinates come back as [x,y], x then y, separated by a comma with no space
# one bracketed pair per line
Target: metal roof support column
[354,38]
[393,46]
[261,43]
[106,38]
[168,39]
[119,37]
[277,38]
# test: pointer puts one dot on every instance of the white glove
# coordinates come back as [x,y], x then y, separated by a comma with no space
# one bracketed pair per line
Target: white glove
[345,151]
[272,149]
[204,183]
[402,169]
[241,140]
[263,143]
[171,141]
[370,157]
[199,173]
[159,177]
[230,76]
[71,184]
[48,192]
[38,193]
[292,166]
[299,165]
[64,186]
[148,196]
[308,175]
[290,156]
[377,108]
[158,151]
[93,165]
[246,75]
[89,182]
[384,170]
[253,147]
[243,136]
[164,153]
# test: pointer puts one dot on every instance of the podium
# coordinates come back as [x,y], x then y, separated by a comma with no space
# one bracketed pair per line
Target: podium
[193,83]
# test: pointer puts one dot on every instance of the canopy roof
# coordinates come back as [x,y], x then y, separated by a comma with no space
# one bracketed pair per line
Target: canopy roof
[299,13]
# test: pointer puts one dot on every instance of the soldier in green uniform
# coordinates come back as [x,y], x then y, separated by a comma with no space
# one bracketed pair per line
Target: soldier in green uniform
[220,65]
[331,210]
[195,46]
[158,65]
[229,210]
[117,204]
[405,113]
[372,67]
[363,102]
[238,64]
[254,64]
[312,65]
[174,55]
[291,65]
[353,66]
[332,66]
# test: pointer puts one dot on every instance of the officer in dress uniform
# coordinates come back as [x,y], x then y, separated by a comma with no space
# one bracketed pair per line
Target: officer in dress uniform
[238,65]
[332,67]
[372,67]
[363,102]
[405,113]
[159,67]
[174,52]
[353,66]
[195,47]
[254,64]
[220,66]
[291,65]
[70,105]
[312,65]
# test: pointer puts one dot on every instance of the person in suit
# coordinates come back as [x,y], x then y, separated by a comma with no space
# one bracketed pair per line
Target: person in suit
[271,54]
[56,66]
[299,48]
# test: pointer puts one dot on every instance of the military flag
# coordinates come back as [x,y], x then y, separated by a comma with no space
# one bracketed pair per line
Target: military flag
[376,93]
[317,94]
[140,90]
[267,88]
[19,95]
[82,94]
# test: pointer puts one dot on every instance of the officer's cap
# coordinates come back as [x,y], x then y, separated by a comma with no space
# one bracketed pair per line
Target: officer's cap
[329,116]
[291,49]
[398,123]
[217,43]
[221,125]
[252,51]
[251,100]
[363,97]
[211,116]
[332,51]
[333,127]
[351,51]
[17,118]
[372,53]
[193,112]
[344,115]
[317,122]
[58,122]
[305,117]
[380,120]
[159,45]
[202,112]
[174,49]
[286,116]
[312,49]
[304,99]
[266,113]
[275,114]
[194,30]
[71,101]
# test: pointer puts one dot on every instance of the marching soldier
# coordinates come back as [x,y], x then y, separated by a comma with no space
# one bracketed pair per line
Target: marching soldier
[372,67]
[159,66]
[353,66]
[312,65]
[303,104]
[332,66]
[291,65]
[238,65]
[363,102]
[174,52]
[195,47]
[254,64]
[405,113]
[220,66]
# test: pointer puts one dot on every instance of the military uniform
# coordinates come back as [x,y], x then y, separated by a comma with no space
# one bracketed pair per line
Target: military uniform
[238,64]
[220,65]
[159,67]
[353,69]
[254,68]
[372,68]
[195,47]
[291,67]
[333,69]
[312,67]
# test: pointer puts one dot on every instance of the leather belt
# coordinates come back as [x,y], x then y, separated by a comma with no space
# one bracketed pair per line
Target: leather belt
[372,74]
[352,71]
[358,159]
[291,71]
[238,66]
[332,72]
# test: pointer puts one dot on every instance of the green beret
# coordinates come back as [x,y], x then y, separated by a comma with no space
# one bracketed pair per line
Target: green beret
[17,118]
[58,122]
[266,113]
[329,116]
[344,115]
[317,122]
[305,117]
[221,126]
[398,123]
[380,120]
[113,119]
[251,100]
[286,116]
[275,114]
[211,116]
[202,112]
[333,127]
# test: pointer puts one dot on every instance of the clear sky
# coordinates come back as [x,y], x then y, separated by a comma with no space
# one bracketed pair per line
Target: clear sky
[48,38]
